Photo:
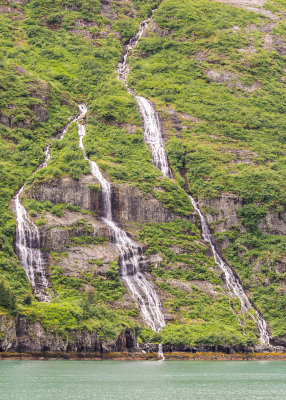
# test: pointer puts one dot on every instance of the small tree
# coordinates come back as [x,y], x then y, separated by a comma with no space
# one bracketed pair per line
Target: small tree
[7,298]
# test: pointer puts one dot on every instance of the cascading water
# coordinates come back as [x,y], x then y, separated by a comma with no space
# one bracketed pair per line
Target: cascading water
[153,136]
[153,133]
[28,250]
[142,290]
[231,280]
[152,128]
[27,242]
[123,68]
[160,352]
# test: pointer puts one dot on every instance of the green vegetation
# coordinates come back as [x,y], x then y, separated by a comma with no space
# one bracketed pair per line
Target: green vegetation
[194,296]
[76,308]
[54,55]
[7,299]
[208,62]
[212,64]
[36,207]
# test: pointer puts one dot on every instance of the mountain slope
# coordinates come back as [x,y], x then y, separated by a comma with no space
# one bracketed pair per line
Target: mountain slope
[215,73]
[225,77]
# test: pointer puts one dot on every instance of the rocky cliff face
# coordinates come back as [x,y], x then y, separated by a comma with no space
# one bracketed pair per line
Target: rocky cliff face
[221,212]
[8,339]
[274,223]
[79,242]
[222,216]
[18,335]
[129,203]
[68,191]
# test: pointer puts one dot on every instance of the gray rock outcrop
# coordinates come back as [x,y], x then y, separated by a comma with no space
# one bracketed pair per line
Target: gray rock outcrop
[68,191]
[129,203]
[221,211]
[274,223]
[18,335]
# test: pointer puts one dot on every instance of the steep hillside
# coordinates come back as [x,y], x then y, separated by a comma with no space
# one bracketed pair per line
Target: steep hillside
[215,73]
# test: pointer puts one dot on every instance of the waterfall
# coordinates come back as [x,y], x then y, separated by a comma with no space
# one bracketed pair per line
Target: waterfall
[27,241]
[159,157]
[28,250]
[231,280]
[153,133]
[28,244]
[130,253]
[160,352]
[153,136]
[123,68]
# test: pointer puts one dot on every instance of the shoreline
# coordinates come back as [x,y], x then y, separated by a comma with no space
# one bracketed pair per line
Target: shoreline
[126,356]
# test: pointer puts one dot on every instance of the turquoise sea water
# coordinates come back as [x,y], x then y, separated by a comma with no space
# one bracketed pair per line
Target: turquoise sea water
[176,380]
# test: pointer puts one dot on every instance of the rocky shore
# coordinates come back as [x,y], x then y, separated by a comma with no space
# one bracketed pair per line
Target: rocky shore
[131,356]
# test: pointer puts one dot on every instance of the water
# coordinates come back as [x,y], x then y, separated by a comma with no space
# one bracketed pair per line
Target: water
[231,280]
[160,352]
[28,250]
[153,132]
[153,136]
[27,241]
[116,380]
[142,289]
[123,68]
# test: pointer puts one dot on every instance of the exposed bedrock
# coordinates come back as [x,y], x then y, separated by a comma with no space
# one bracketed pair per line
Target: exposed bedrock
[205,348]
[58,233]
[274,223]
[18,335]
[69,191]
[221,211]
[129,203]
[221,214]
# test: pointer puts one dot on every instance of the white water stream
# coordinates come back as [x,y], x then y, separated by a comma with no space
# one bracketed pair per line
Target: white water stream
[28,242]
[142,290]
[153,136]
[28,237]
[28,250]
[232,281]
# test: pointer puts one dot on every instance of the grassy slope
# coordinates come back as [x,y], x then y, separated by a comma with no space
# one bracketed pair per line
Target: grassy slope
[43,48]
[76,68]
[172,69]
